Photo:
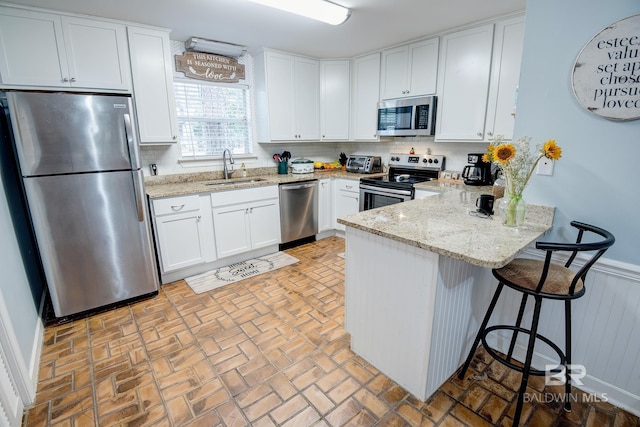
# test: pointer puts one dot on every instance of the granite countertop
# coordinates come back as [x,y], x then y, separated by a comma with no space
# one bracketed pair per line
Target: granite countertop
[442,224]
[193,183]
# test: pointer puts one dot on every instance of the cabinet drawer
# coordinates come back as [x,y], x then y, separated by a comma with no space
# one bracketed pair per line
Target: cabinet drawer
[231,197]
[175,205]
[348,185]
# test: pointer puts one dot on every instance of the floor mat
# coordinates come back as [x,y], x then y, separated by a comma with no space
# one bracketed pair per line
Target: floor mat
[240,270]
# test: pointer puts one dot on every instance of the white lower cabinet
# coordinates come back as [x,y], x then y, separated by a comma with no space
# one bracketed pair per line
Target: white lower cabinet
[325,205]
[346,199]
[245,220]
[184,231]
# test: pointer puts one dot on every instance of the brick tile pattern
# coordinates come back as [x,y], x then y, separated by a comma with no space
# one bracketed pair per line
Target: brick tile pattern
[266,351]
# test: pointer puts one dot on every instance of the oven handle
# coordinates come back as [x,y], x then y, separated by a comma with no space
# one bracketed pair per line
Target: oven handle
[379,190]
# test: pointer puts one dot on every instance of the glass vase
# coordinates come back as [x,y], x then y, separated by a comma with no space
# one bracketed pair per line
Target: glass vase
[513,210]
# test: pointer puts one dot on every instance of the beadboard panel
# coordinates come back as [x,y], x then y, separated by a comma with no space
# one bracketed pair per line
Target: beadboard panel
[455,324]
[389,311]
[605,330]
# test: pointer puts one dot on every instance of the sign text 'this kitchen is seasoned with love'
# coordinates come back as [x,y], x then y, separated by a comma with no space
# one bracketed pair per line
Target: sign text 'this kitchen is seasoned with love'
[210,67]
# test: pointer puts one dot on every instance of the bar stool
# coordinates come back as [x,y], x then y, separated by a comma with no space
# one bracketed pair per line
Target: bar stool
[541,280]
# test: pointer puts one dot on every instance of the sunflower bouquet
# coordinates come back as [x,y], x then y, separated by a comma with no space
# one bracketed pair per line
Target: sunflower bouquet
[517,163]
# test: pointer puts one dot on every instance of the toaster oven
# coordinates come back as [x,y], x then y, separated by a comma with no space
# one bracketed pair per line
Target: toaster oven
[364,164]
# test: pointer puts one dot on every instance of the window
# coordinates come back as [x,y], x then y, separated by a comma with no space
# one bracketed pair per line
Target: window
[212,117]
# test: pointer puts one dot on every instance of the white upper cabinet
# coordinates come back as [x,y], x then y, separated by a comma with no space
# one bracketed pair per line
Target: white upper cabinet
[152,73]
[463,84]
[288,97]
[409,70]
[48,50]
[505,77]
[307,99]
[366,93]
[334,100]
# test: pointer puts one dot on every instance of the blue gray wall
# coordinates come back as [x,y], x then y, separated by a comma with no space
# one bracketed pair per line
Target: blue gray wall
[596,181]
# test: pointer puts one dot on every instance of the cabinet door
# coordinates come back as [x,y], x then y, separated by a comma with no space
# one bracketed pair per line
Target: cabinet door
[394,72]
[347,203]
[334,100]
[423,69]
[280,94]
[505,77]
[264,223]
[346,199]
[32,50]
[325,221]
[97,54]
[307,99]
[151,67]
[465,63]
[231,230]
[366,96]
[180,240]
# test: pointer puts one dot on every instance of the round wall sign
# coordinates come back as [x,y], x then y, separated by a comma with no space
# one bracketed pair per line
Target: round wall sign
[606,75]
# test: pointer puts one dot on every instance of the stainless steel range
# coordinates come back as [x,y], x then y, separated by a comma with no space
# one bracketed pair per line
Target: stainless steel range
[405,170]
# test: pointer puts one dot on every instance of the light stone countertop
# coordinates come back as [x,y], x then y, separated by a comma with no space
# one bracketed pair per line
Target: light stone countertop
[442,224]
[193,183]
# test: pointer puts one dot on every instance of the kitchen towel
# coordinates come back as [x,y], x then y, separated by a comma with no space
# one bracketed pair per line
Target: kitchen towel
[238,271]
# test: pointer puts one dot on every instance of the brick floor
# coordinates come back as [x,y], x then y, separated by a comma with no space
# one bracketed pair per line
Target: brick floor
[266,351]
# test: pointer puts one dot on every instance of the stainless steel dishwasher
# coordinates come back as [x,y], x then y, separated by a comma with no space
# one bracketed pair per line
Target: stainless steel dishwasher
[298,210]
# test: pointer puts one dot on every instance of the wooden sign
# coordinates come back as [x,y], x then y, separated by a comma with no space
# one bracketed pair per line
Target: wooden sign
[210,67]
[606,75]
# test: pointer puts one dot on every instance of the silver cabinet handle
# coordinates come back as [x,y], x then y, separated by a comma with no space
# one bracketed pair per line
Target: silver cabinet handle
[479,133]
[65,80]
[177,208]
[199,217]
[490,133]
[174,137]
[72,80]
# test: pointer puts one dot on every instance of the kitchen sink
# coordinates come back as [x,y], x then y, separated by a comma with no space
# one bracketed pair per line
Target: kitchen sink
[236,181]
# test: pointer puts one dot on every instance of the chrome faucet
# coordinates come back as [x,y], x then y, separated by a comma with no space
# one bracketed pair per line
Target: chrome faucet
[227,172]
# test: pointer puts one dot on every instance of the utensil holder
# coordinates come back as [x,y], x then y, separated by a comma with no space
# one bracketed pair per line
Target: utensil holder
[283,168]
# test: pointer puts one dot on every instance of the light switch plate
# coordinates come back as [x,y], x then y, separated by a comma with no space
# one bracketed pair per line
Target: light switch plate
[545,167]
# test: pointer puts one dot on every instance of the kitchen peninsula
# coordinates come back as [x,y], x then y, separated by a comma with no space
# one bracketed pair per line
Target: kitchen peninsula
[418,278]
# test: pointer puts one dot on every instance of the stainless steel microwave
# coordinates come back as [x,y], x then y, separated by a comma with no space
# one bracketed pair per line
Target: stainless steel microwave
[407,116]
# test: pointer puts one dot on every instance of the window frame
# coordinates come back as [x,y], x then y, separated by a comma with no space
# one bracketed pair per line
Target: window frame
[249,146]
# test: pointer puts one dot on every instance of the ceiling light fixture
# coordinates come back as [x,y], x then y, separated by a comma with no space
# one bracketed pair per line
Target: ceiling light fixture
[320,10]
[212,46]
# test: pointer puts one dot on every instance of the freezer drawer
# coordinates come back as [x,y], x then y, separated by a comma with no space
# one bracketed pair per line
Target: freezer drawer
[93,238]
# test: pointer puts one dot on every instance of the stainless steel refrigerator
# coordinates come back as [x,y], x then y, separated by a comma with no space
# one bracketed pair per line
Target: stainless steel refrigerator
[79,161]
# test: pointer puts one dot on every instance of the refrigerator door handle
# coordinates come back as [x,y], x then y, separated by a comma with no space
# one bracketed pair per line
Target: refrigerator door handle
[133,152]
[138,191]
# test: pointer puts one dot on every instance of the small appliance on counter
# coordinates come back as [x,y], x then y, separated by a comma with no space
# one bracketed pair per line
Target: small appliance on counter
[302,165]
[477,172]
[364,164]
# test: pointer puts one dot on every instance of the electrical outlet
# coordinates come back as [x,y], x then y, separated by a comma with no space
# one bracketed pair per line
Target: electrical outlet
[545,167]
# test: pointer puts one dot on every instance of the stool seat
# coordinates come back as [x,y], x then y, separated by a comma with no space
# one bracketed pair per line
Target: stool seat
[524,274]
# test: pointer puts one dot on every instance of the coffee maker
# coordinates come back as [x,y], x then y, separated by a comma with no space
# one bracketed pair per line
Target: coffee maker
[478,172]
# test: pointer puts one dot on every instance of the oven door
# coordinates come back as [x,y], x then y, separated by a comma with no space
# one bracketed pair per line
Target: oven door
[372,197]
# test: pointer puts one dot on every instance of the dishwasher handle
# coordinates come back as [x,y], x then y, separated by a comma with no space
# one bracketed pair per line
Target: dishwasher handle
[298,186]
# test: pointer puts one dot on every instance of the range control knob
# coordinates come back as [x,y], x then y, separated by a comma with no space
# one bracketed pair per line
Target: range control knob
[430,160]
[424,160]
[435,161]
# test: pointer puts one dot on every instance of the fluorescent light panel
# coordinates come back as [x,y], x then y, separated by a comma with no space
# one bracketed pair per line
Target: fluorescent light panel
[320,10]
[212,46]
